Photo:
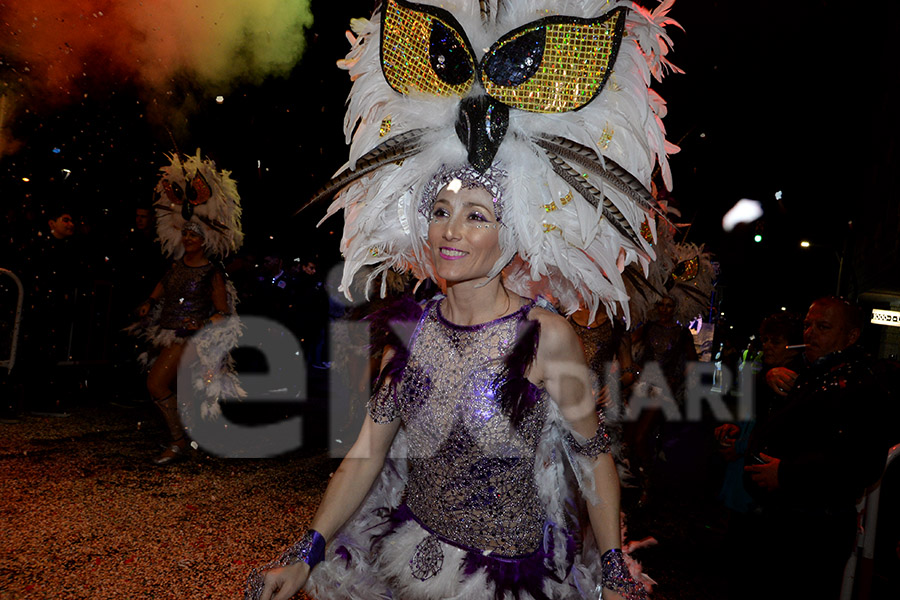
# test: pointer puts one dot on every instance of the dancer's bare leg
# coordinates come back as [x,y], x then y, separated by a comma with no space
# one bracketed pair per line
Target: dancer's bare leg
[160,383]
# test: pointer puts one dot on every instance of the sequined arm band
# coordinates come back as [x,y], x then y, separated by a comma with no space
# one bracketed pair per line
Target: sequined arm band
[310,549]
[592,448]
[617,578]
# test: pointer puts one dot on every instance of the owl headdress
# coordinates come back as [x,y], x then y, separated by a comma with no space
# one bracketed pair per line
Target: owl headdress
[545,104]
[682,270]
[193,194]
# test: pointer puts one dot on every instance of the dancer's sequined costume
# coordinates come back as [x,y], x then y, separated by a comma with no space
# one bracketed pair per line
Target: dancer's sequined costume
[187,296]
[479,497]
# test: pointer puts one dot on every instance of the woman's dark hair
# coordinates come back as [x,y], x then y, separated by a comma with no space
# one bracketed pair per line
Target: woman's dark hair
[783,324]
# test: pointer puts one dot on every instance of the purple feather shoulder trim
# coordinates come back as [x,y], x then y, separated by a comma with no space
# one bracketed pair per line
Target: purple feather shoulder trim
[517,393]
[393,326]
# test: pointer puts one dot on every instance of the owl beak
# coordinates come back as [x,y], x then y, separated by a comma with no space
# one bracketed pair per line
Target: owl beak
[481,125]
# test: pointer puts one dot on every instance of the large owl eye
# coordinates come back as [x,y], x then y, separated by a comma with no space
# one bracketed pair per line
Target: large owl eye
[198,190]
[424,49]
[686,270]
[553,65]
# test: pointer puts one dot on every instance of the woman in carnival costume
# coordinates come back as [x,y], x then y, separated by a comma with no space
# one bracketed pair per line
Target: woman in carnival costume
[198,220]
[518,138]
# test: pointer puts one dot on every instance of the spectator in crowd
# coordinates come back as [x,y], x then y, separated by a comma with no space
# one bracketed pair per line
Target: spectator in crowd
[55,272]
[813,457]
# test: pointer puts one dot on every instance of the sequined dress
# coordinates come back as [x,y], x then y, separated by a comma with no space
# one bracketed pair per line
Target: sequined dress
[470,505]
[187,295]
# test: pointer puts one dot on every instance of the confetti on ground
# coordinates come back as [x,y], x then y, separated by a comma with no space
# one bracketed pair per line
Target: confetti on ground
[87,515]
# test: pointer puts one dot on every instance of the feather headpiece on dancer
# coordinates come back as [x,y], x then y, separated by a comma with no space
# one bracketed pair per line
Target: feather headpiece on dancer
[682,271]
[193,194]
[552,98]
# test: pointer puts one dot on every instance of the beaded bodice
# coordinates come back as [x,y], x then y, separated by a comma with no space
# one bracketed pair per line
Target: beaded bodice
[471,473]
[188,294]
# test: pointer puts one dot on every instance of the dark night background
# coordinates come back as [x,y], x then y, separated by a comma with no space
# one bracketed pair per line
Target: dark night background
[790,97]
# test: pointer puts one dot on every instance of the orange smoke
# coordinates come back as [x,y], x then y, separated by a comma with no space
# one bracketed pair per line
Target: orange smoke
[56,50]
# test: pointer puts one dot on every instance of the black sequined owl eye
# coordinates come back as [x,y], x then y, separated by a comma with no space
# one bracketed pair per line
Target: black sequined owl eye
[555,64]
[517,60]
[424,49]
[449,58]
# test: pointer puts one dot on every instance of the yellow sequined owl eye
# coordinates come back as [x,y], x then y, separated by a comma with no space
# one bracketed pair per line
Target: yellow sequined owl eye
[687,270]
[553,65]
[424,49]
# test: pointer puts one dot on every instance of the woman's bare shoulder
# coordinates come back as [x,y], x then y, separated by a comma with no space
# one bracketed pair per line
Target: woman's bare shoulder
[556,333]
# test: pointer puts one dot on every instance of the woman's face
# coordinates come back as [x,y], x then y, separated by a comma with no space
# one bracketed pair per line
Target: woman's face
[774,352]
[463,234]
[191,240]
[666,309]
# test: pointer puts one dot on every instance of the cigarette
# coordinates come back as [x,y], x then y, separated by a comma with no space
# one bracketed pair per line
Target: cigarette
[795,347]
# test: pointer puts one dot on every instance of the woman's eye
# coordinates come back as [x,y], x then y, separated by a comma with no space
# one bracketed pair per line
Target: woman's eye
[477,217]
[438,212]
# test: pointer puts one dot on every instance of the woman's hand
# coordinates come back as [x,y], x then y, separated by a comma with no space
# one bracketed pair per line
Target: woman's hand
[727,435]
[765,475]
[282,583]
[781,380]
[192,324]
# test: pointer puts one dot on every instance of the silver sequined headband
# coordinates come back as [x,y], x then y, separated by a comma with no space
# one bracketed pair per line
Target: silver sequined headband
[195,227]
[491,180]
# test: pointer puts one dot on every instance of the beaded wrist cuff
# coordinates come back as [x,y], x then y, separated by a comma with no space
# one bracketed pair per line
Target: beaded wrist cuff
[616,577]
[592,448]
[310,549]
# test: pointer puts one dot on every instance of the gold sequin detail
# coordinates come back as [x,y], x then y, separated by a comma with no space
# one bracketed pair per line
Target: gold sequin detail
[566,199]
[646,232]
[576,62]
[385,127]
[606,137]
[548,227]
[613,84]
[405,58]
[373,251]
[687,270]
[550,207]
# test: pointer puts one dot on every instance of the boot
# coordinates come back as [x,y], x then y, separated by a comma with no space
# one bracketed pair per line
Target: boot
[177,450]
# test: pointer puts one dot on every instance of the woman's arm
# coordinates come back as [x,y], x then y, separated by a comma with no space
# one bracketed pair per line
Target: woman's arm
[219,298]
[144,308]
[561,367]
[356,474]
[343,496]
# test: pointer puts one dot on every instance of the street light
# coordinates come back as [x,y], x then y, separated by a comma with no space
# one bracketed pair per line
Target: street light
[839,256]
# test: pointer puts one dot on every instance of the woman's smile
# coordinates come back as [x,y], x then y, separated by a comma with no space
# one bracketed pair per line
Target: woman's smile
[463,234]
[452,253]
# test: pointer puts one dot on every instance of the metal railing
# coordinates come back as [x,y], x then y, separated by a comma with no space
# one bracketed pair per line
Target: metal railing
[8,363]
